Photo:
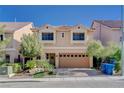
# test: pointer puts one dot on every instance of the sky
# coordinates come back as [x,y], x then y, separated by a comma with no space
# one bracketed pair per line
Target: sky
[59,15]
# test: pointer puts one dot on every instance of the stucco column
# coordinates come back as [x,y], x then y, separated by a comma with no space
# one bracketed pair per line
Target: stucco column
[57,60]
[91,61]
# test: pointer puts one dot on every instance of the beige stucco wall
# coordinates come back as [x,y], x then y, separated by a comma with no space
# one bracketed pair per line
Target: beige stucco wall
[106,34]
[13,54]
[96,34]
[66,50]
[65,41]
[19,34]
[9,35]
[109,35]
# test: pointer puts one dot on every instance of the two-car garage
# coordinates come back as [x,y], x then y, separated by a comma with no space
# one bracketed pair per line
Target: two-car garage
[74,60]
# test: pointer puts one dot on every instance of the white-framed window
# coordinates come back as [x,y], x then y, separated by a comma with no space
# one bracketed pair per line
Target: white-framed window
[78,36]
[47,36]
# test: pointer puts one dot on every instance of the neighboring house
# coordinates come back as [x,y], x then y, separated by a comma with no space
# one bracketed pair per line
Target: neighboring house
[15,30]
[107,30]
[65,46]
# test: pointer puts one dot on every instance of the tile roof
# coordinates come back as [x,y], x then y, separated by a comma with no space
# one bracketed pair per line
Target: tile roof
[10,27]
[62,27]
[110,23]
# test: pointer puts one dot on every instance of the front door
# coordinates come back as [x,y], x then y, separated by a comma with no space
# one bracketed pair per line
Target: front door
[51,58]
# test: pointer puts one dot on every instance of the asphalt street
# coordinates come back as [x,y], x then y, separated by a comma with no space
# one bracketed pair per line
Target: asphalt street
[65,84]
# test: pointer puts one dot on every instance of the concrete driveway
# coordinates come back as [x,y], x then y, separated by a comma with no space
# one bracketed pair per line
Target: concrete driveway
[77,72]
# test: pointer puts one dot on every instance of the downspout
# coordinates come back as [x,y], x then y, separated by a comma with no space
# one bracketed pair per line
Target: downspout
[100,33]
[122,41]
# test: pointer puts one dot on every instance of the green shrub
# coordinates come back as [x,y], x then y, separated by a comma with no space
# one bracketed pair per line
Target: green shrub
[31,64]
[39,75]
[39,64]
[45,64]
[1,63]
[117,67]
[17,67]
[5,64]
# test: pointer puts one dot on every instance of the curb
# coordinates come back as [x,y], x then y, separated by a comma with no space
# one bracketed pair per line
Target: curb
[61,79]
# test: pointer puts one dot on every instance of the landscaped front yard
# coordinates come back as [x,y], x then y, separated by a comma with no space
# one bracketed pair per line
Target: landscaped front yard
[31,48]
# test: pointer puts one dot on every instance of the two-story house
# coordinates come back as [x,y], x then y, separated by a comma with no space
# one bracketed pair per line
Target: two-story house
[65,46]
[107,31]
[15,30]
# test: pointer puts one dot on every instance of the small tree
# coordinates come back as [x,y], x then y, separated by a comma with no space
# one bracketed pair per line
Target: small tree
[31,46]
[95,48]
[112,50]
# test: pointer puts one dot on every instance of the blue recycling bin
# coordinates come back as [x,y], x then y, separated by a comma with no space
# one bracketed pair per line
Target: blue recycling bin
[112,61]
[103,68]
[107,68]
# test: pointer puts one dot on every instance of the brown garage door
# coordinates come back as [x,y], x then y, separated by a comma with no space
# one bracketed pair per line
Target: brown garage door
[68,60]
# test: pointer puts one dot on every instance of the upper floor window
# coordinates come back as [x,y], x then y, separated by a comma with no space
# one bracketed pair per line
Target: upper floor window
[1,37]
[47,36]
[62,34]
[78,36]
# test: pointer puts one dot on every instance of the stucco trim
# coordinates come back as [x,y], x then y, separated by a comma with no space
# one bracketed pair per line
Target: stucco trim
[10,49]
[65,47]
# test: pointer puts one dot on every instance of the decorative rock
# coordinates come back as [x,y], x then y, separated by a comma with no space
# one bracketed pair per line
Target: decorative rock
[35,70]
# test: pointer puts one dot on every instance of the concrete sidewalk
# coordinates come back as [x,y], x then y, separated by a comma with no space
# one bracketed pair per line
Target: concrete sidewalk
[62,79]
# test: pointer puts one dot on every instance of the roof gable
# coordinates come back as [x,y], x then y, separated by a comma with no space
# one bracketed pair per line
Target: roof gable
[11,27]
[110,23]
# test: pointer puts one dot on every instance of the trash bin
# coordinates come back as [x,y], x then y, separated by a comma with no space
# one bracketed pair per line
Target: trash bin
[107,68]
[103,68]
[112,61]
